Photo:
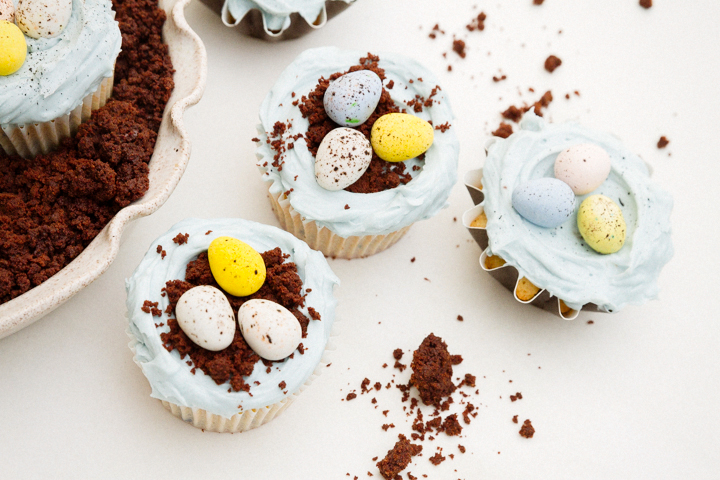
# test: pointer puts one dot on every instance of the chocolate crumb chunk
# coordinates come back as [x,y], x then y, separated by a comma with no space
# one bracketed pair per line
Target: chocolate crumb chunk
[181,238]
[646,3]
[151,307]
[347,207]
[477,23]
[590,322]
[515,419]
[538,2]
[432,371]
[663,142]
[351,396]
[451,426]
[551,63]
[517,396]
[527,429]
[437,459]
[282,385]
[504,130]
[459,48]
[412,260]
[461,448]
[460,318]
[398,458]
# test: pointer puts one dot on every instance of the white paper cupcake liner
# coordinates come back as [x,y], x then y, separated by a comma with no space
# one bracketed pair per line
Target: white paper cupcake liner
[507,274]
[323,239]
[244,420]
[41,138]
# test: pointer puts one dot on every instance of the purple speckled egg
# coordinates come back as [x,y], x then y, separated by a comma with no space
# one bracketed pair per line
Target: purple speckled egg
[351,99]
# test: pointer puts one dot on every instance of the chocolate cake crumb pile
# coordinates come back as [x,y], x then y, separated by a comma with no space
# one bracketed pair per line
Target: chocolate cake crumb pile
[398,458]
[282,285]
[432,370]
[663,142]
[551,63]
[514,114]
[53,206]
[380,175]
[527,429]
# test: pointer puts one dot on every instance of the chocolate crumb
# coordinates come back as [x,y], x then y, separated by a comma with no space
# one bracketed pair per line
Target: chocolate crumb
[461,448]
[181,238]
[527,429]
[459,48]
[432,370]
[663,142]
[515,419]
[504,130]
[646,3]
[437,459]
[351,396]
[282,385]
[398,458]
[460,318]
[551,63]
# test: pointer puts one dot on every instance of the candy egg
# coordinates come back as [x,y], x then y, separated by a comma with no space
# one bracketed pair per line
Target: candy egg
[43,18]
[601,224]
[342,158]
[236,266]
[396,137]
[584,167]
[7,10]
[270,329]
[351,99]
[546,202]
[13,48]
[206,316]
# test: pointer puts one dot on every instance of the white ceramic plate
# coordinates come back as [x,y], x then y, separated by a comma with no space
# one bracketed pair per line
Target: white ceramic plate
[171,155]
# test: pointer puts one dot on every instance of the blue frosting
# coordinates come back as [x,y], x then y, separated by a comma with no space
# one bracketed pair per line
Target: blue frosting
[169,376]
[60,72]
[276,13]
[368,214]
[557,259]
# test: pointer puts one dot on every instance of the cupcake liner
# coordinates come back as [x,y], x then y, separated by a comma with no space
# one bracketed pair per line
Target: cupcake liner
[506,274]
[41,138]
[253,23]
[242,421]
[323,239]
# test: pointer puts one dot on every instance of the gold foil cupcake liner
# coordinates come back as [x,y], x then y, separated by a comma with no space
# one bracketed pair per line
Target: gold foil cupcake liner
[243,420]
[506,274]
[34,139]
[323,239]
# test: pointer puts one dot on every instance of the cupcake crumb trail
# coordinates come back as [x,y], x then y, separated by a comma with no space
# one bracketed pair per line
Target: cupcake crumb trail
[551,63]
[663,142]
[527,429]
[398,458]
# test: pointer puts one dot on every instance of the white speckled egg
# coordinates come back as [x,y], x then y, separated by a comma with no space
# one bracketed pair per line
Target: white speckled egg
[584,167]
[351,99]
[206,316]
[7,10]
[546,202]
[342,158]
[43,18]
[270,329]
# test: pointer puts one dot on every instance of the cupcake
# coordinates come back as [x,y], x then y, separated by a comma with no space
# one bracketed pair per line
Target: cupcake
[226,381]
[374,212]
[569,219]
[280,20]
[64,76]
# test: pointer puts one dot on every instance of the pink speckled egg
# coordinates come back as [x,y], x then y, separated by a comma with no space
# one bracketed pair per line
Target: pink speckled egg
[7,10]
[584,167]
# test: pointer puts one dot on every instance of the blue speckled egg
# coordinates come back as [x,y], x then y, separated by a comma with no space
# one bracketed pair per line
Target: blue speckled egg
[351,99]
[547,202]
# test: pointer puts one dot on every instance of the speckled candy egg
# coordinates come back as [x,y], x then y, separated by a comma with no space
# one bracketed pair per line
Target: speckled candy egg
[43,18]
[351,99]
[7,10]
[206,316]
[546,202]
[270,329]
[601,224]
[584,167]
[342,158]
[236,266]
[397,137]
[13,48]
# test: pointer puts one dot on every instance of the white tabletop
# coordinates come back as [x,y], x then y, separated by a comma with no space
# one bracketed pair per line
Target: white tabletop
[633,395]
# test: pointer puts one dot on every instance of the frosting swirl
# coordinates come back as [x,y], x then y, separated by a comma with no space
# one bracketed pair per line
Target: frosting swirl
[557,259]
[60,72]
[368,213]
[168,374]
[275,13]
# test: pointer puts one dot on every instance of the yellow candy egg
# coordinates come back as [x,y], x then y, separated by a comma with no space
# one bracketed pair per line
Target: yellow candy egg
[396,137]
[601,224]
[237,267]
[13,48]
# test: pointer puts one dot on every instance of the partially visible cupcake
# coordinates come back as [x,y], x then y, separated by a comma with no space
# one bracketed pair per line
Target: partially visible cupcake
[541,238]
[376,210]
[280,19]
[235,386]
[64,76]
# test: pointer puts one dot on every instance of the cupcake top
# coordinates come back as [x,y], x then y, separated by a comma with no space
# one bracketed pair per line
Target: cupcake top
[558,259]
[170,377]
[275,13]
[344,212]
[59,72]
